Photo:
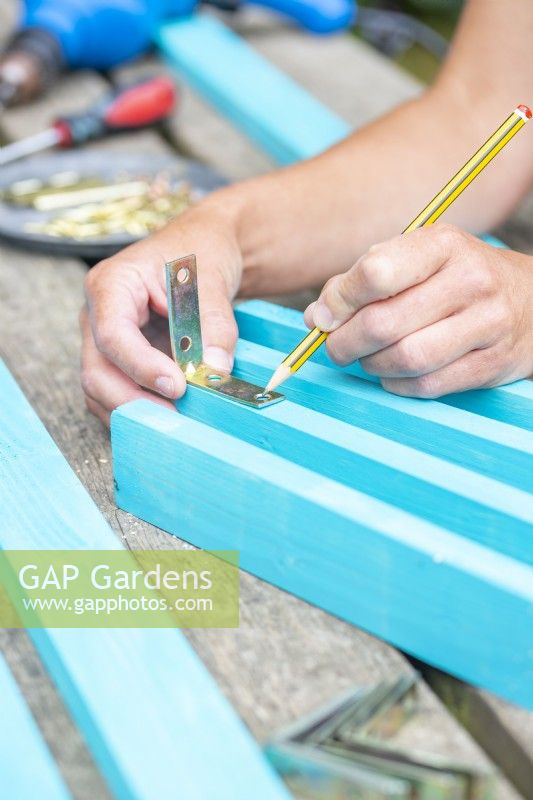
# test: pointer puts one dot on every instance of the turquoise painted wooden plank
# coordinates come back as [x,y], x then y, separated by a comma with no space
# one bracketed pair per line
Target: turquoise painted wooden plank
[130,691]
[512,404]
[27,769]
[281,328]
[273,110]
[482,509]
[437,595]
[488,447]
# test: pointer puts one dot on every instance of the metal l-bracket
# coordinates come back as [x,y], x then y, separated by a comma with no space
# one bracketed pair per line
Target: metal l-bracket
[186,340]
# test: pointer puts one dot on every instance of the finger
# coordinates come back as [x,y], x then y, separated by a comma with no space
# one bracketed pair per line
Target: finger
[158,334]
[110,388]
[158,296]
[219,329]
[116,318]
[431,348]
[98,411]
[105,384]
[309,315]
[381,324]
[475,370]
[386,270]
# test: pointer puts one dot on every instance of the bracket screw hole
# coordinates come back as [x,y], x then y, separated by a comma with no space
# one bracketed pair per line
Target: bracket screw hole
[263,396]
[214,378]
[183,275]
[185,343]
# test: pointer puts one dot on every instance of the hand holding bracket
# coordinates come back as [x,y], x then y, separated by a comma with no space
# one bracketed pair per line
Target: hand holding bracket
[186,340]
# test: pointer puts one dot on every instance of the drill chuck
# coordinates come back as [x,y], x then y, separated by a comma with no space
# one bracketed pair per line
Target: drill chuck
[30,64]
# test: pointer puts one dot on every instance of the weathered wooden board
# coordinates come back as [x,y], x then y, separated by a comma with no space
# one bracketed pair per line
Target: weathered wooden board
[27,768]
[342,72]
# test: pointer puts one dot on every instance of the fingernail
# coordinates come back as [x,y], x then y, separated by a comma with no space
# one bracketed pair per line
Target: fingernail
[218,358]
[323,318]
[165,386]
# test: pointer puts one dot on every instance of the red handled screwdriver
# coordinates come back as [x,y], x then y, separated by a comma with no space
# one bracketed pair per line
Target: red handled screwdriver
[136,107]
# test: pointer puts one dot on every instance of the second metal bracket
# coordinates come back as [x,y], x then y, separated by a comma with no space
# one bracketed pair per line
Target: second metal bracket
[186,340]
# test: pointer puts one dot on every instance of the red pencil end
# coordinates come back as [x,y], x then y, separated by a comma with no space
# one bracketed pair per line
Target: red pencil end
[525,111]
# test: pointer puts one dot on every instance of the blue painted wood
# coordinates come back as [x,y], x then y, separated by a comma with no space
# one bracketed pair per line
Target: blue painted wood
[488,447]
[512,404]
[151,714]
[494,241]
[27,769]
[281,328]
[284,119]
[465,502]
[437,595]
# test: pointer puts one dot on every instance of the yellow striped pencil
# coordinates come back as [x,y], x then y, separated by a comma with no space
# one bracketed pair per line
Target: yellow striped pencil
[427,216]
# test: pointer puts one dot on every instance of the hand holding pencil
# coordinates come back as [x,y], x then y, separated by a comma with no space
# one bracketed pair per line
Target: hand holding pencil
[390,270]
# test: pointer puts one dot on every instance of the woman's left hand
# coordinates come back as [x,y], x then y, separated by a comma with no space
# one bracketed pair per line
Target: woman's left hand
[432,312]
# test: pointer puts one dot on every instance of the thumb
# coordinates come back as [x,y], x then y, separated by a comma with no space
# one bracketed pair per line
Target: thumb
[219,329]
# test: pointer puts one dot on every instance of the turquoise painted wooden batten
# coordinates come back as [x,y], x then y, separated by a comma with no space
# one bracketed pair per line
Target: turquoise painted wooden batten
[152,716]
[411,519]
[273,110]
[25,761]
[280,328]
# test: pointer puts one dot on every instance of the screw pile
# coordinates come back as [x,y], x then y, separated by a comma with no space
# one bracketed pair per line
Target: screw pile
[136,207]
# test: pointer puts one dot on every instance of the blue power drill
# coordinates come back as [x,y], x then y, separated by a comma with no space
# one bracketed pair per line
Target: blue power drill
[99,34]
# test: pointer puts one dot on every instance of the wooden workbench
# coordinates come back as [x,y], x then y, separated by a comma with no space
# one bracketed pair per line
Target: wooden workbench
[287,657]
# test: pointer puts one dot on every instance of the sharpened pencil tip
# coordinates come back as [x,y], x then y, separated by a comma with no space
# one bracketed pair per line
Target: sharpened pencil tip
[279,376]
[270,386]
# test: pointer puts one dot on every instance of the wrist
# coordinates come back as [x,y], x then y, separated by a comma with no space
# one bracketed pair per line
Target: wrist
[231,213]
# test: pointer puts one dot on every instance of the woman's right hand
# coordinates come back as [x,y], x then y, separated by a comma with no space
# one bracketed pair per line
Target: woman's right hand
[119,363]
